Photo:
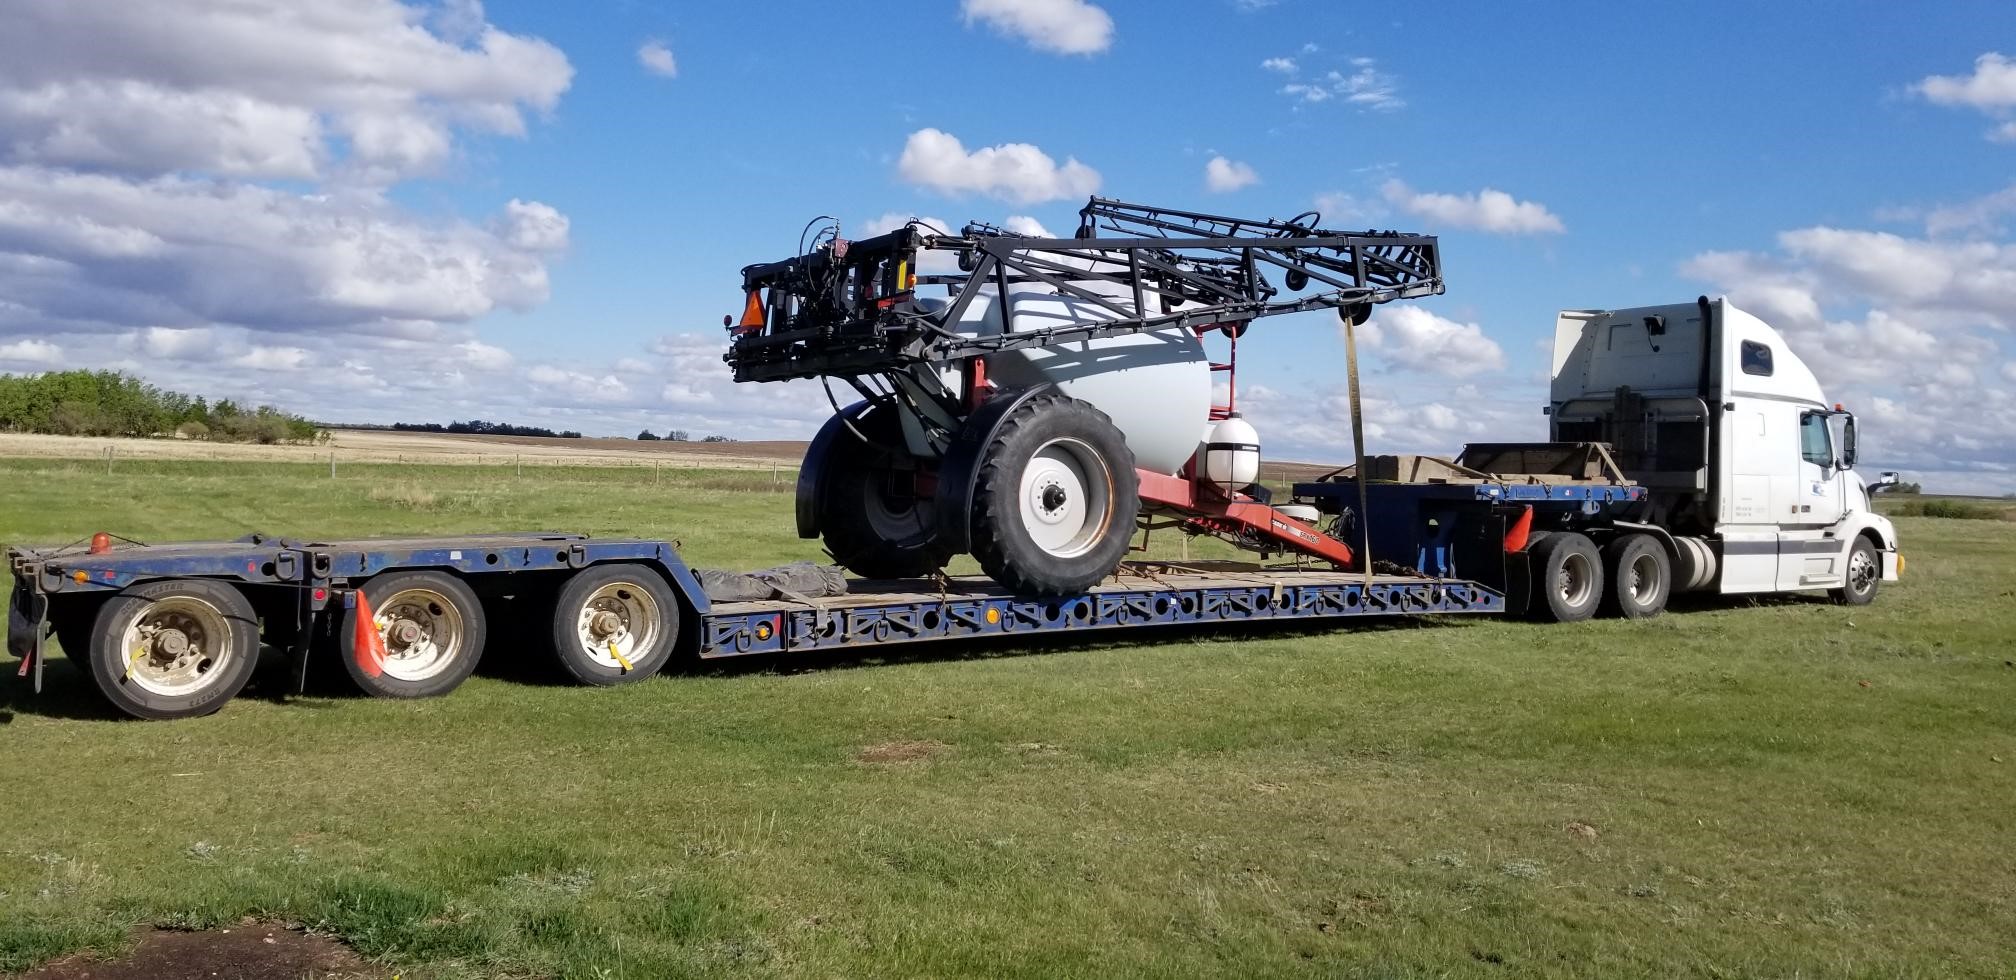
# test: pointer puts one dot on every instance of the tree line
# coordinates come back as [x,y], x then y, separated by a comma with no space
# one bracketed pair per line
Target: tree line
[479,427]
[113,403]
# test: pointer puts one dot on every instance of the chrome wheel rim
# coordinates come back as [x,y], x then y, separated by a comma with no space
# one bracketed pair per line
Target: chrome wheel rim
[1577,579]
[1065,496]
[1642,579]
[177,646]
[1862,572]
[423,633]
[619,623]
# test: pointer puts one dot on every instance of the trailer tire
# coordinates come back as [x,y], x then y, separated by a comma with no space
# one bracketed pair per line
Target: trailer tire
[173,648]
[1862,577]
[868,523]
[433,628]
[626,605]
[1056,499]
[1567,578]
[1640,576]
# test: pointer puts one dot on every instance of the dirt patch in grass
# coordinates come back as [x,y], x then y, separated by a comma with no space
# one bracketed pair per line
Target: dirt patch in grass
[890,753]
[258,951]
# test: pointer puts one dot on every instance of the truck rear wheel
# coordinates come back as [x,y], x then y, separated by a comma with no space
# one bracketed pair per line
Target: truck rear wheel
[433,629]
[173,648]
[874,516]
[1640,576]
[1057,497]
[614,624]
[1864,575]
[1567,578]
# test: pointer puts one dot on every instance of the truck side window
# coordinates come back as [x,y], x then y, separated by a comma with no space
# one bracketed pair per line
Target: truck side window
[1756,359]
[1814,445]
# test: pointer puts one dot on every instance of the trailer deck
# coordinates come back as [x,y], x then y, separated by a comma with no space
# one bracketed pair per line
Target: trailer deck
[300,587]
[1142,594]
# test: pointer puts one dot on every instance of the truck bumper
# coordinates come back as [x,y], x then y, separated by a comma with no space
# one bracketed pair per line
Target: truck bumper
[1893,565]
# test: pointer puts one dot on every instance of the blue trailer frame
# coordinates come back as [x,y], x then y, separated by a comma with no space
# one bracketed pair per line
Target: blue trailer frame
[306,579]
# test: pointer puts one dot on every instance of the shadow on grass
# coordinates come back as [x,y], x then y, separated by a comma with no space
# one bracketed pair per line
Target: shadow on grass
[68,693]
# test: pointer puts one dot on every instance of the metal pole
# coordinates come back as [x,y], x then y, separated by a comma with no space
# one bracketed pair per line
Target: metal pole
[1358,442]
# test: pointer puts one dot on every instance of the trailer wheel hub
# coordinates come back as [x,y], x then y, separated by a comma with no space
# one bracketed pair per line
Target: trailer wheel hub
[605,623]
[406,632]
[171,644]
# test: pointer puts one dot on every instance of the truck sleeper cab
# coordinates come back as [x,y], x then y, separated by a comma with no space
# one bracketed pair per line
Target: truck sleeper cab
[1708,408]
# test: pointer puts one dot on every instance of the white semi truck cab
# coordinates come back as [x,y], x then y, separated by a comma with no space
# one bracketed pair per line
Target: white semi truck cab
[1749,470]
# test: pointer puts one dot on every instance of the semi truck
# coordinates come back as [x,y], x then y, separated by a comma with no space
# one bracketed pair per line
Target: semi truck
[1690,450]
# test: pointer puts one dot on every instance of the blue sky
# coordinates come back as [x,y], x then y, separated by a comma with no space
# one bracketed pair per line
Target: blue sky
[1793,155]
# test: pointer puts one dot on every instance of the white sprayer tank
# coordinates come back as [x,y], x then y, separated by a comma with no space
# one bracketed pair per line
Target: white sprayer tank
[1232,454]
[1155,386]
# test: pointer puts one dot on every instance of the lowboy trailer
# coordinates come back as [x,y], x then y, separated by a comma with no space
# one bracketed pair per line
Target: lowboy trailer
[175,630]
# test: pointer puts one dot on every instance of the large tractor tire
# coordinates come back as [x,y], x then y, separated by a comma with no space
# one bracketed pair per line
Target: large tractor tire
[1567,578]
[876,510]
[173,648]
[1056,500]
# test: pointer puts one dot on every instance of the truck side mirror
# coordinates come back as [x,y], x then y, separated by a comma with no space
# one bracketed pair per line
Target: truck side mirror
[1848,443]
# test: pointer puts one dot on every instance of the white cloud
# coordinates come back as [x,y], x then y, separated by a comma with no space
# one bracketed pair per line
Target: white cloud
[534,227]
[260,88]
[1340,209]
[1487,210]
[31,351]
[1022,224]
[183,252]
[482,356]
[1058,26]
[272,359]
[1901,328]
[1017,172]
[1285,66]
[1413,338]
[1992,85]
[1222,175]
[657,59]
[1366,86]
[1991,88]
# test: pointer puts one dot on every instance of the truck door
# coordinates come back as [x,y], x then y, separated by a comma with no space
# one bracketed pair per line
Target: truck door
[1809,554]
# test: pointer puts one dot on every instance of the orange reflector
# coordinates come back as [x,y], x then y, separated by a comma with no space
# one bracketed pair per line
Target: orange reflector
[367,645]
[752,313]
[1515,539]
[101,543]
[80,576]
[1838,408]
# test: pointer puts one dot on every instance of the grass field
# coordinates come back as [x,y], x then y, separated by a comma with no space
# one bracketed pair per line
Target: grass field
[1776,789]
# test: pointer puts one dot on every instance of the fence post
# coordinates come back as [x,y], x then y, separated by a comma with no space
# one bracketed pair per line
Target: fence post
[518,461]
[332,464]
[654,472]
[108,460]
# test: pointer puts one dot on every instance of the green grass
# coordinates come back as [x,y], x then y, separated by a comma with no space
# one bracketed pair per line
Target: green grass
[1778,789]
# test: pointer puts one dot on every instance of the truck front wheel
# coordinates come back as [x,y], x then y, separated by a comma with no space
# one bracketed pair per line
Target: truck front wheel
[1567,578]
[1640,574]
[1865,573]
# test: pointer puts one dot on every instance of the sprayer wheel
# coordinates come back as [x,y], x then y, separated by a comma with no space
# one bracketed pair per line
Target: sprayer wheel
[877,515]
[1057,498]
